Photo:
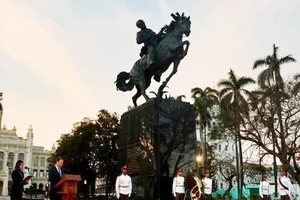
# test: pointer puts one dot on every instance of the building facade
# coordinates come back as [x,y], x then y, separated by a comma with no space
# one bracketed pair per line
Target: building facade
[13,148]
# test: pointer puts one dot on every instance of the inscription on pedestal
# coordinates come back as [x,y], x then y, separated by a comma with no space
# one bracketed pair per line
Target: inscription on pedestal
[132,156]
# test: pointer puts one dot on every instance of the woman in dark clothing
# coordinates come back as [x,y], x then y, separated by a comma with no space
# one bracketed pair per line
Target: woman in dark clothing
[17,176]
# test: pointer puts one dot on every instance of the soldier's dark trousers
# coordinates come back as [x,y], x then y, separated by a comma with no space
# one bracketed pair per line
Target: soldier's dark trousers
[207,197]
[265,197]
[284,197]
[123,197]
[179,196]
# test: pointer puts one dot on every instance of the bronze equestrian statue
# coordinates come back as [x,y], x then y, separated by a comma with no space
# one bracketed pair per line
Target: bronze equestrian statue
[158,53]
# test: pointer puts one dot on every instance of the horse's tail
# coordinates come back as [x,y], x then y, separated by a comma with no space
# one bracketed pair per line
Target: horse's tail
[121,82]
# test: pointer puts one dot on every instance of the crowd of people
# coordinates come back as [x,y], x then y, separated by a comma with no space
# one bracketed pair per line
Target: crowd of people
[123,186]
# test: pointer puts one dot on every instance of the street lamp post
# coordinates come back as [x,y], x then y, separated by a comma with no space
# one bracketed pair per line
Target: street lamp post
[85,182]
[198,161]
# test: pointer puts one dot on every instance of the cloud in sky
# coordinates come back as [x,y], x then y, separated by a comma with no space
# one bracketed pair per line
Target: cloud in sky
[59,59]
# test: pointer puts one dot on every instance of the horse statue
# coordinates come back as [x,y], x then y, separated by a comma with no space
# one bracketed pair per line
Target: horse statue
[170,49]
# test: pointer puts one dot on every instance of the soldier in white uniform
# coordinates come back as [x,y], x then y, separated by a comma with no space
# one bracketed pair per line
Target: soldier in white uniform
[207,185]
[178,185]
[285,185]
[264,188]
[123,185]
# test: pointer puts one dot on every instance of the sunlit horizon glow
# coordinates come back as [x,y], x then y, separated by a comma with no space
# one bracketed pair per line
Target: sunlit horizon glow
[59,59]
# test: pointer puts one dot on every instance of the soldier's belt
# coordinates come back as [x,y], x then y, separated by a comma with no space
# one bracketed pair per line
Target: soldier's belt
[124,186]
[179,185]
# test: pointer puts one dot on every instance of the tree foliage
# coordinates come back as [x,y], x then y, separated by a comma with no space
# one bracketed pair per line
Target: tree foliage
[263,123]
[204,100]
[90,148]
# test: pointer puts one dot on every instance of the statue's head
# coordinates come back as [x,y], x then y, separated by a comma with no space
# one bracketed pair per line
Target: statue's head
[140,24]
[182,22]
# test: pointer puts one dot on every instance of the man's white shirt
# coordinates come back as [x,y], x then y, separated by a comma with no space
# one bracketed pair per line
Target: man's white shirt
[178,185]
[123,185]
[207,185]
[287,183]
[264,188]
[58,170]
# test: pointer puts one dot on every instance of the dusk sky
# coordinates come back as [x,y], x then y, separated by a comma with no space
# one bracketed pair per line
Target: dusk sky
[59,58]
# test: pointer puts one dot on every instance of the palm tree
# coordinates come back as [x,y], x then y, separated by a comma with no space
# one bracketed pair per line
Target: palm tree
[271,78]
[233,101]
[297,85]
[203,102]
[271,75]
[178,98]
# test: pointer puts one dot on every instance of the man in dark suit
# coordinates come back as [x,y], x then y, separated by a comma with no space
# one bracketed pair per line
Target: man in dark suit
[55,173]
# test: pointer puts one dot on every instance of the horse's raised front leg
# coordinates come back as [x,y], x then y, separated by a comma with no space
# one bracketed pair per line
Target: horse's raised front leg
[184,53]
[164,84]
[174,71]
[177,61]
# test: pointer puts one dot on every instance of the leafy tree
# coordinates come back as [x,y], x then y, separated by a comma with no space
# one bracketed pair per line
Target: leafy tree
[178,98]
[264,129]
[271,75]
[270,78]
[236,106]
[203,102]
[297,84]
[90,148]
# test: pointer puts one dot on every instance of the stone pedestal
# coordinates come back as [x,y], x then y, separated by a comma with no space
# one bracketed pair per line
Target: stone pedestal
[157,138]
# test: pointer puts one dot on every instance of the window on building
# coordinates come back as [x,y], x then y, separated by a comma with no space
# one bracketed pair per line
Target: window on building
[36,161]
[42,173]
[219,147]
[42,163]
[221,185]
[21,156]
[35,173]
[226,148]
[1,160]
[10,160]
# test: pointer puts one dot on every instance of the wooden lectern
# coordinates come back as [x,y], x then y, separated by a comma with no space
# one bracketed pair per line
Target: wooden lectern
[68,183]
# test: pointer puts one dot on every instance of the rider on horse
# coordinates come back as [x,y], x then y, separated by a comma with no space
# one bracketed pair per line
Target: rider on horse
[150,40]
[169,49]
[148,37]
